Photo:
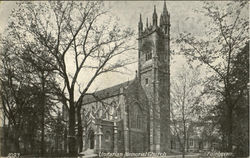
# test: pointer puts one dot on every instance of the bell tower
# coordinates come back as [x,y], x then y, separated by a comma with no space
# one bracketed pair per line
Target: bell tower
[154,76]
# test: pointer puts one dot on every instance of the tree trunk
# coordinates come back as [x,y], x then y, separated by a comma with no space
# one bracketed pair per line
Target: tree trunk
[16,142]
[79,127]
[230,129]
[32,144]
[224,144]
[184,146]
[65,140]
[42,115]
[5,137]
[71,136]
[42,129]
[183,150]
[184,138]
[17,148]
[184,120]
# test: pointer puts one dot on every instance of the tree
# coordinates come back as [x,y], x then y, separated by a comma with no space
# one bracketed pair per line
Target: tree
[240,71]
[19,98]
[75,31]
[55,131]
[186,89]
[43,77]
[227,32]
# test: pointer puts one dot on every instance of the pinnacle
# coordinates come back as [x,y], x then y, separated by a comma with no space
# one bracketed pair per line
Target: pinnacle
[147,23]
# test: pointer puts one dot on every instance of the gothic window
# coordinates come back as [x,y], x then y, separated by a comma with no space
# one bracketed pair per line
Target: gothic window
[91,140]
[133,120]
[118,113]
[147,49]
[137,118]
[206,144]
[148,55]
[191,142]
[146,81]
[165,57]
[107,136]
[172,144]
[107,115]
[139,122]
[111,112]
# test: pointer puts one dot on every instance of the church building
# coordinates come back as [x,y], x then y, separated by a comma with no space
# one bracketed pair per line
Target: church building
[134,116]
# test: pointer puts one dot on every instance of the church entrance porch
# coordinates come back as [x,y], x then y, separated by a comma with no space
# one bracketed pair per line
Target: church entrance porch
[100,137]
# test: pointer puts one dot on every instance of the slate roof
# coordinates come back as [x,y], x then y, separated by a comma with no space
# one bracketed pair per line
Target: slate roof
[105,93]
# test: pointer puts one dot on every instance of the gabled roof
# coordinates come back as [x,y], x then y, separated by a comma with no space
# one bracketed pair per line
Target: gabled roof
[105,93]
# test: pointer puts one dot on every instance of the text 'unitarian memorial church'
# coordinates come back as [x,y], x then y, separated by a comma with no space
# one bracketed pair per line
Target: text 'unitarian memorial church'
[135,116]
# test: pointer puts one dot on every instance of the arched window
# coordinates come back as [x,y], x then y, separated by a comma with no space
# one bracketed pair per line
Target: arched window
[91,140]
[172,144]
[118,113]
[111,112]
[148,55]
[147,49]
[107,136]
[191,142]
[146,81]
[136,120]
[140,124]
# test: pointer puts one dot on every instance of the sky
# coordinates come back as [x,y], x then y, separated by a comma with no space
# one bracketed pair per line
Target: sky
[128,12]
[183,19]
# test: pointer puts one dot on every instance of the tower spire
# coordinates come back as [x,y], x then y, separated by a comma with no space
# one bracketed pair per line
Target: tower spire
[147,23]
[161,20]
[165,11]
[155,17]
[165,19]
[165,6]
[140,25]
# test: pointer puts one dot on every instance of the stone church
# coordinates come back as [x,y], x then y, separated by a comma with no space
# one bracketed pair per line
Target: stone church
[134,116]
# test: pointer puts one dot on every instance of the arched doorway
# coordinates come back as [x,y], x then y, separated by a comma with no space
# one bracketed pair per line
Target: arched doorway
[91,139]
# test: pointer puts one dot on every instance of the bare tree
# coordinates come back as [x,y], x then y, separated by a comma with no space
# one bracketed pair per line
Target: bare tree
[80,37]
[186,89]
[226,33]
